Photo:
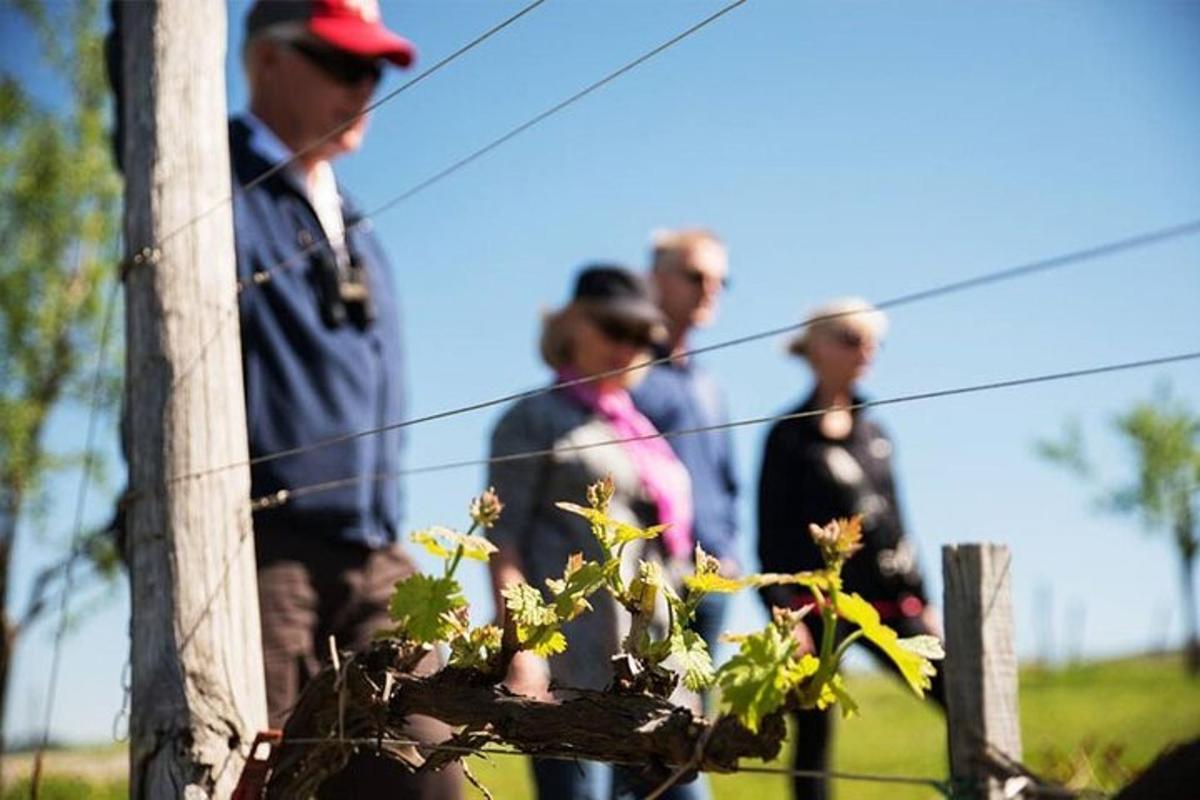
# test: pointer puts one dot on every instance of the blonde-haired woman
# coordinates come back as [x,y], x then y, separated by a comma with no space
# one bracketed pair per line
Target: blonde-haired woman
[609,324]
[837,464]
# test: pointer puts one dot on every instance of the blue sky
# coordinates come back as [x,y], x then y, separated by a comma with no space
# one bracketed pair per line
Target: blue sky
[854,148]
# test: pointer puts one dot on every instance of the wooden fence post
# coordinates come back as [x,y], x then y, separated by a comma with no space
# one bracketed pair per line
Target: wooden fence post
[197,697]
[981,666]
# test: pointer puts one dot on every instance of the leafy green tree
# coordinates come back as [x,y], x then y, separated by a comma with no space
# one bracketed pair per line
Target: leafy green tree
[1163,436]
[59,212]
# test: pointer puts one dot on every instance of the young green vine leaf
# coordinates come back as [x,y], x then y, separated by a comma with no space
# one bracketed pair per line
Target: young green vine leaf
[537,623]
[712,583]
[424,608]
[821,581]
[445,542]
[474,650]
[912,659]
[609,531]
[707,578]
[691,654]
[835,692]
[767,668]
[580,579]
[768,674]
[428,610]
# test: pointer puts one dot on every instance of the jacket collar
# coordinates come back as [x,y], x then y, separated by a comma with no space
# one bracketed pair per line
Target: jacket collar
[249,163]
[263,140]
[248,138]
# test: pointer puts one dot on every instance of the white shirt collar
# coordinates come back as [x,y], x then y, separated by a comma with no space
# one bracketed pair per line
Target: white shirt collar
[321,188]
[272,148]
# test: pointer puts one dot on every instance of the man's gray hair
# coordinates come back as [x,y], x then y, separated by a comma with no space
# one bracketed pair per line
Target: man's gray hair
[671,244]
[292,31]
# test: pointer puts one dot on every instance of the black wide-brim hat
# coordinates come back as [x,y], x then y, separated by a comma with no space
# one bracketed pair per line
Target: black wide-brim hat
[614,292]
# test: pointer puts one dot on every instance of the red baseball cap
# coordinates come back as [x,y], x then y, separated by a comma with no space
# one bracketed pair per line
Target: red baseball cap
[355,26]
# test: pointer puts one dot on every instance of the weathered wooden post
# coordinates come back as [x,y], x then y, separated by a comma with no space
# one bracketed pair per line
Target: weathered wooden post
[197,697]
[981,666]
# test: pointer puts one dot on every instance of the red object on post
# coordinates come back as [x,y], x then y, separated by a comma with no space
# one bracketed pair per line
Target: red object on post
[258,766]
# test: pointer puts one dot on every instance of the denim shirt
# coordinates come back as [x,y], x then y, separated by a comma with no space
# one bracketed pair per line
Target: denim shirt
[678,396]
[307,380]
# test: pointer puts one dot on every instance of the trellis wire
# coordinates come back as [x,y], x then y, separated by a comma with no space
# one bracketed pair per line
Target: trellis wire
[283,496]
[449,170]
[275,169]
[205,609]
[944,787]
[293,260]
[970,283]
[1023,270]
[76,535]
[561,755]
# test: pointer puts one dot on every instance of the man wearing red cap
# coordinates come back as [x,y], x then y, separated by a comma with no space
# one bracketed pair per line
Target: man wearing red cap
[322,358]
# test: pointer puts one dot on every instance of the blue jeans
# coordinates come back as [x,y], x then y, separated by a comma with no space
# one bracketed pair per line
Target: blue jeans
[710,617]
[557,779]
[627,785]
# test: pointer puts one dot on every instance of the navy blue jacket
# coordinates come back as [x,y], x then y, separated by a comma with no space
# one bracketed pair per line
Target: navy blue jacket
[307,380]
[678,396]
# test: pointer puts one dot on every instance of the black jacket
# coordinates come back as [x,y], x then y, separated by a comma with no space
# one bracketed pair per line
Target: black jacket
[809,478]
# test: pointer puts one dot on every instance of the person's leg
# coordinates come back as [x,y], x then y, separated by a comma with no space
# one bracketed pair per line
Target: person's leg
[813,735]
[710,617]
[628,784]
[287,603]
[558,779]
[814,731]
[709,621]
[369,578]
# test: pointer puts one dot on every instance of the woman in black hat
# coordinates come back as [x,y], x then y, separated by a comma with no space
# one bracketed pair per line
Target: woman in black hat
[607,327]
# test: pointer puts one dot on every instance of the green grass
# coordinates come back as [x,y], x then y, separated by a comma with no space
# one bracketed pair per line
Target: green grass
[1098,721]
[82,773]
[1069,717]
[60,787]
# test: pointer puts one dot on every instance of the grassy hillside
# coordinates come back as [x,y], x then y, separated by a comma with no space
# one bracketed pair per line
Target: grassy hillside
[1094,722]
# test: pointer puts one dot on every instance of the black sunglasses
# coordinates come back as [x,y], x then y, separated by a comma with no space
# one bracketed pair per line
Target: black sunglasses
[345,68]
[852,339]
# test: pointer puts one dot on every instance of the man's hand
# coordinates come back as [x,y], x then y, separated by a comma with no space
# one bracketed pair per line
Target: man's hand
[803,637]
[527,676]
[932,621]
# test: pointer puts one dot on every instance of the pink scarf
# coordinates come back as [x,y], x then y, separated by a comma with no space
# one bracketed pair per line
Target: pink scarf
[663,476]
